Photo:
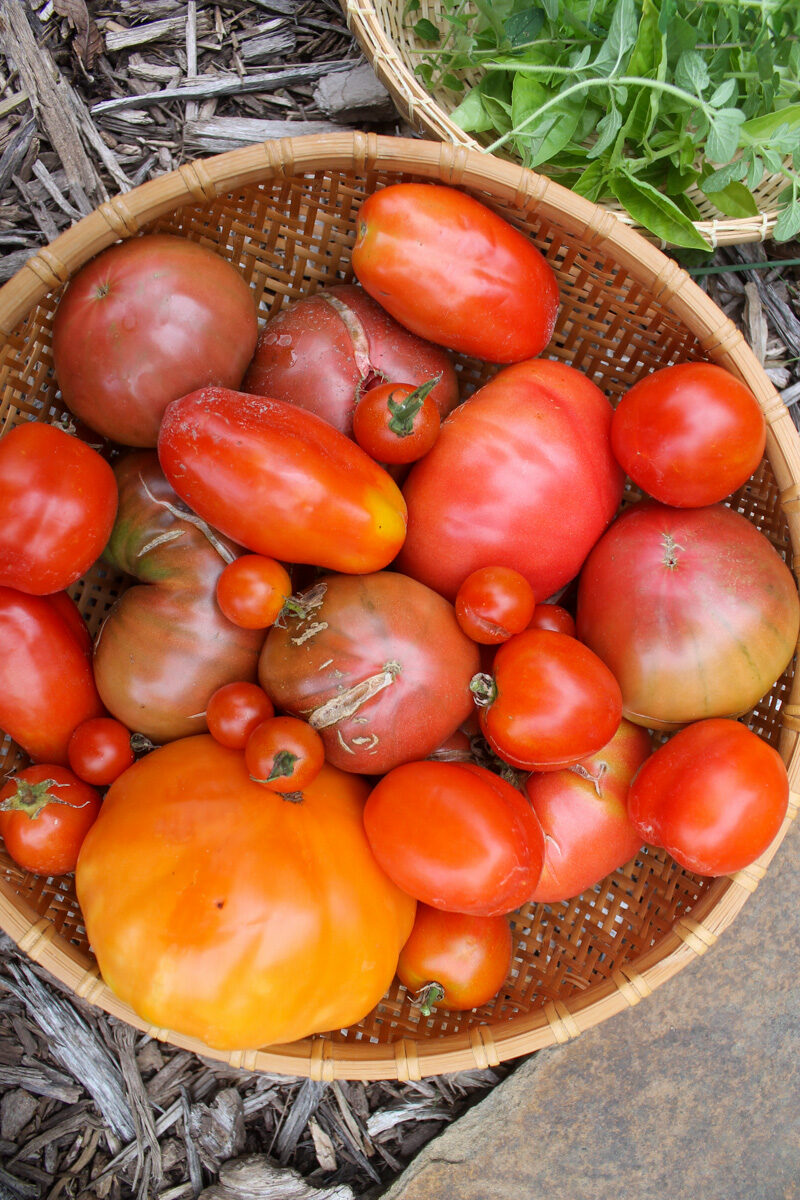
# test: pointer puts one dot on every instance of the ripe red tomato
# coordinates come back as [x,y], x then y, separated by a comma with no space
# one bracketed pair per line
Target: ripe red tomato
[521,476]
[100,750]
[396,422]
[455,960]
[689,434]
[692,609]
[453,271]
[376,663]
[583,813]
[284,754]
[325,351]
[551,702]
[58,498]
[149,320]
[252,590]
[552,616]
[494,603]
[455,836]
[714,796]
[281,481]
[234,711]
[45,813]
[46,681]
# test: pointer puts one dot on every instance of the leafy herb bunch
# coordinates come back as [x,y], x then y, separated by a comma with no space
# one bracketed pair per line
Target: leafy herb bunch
[633,100]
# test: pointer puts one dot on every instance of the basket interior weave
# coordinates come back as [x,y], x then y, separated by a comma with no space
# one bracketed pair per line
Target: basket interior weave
[290,237]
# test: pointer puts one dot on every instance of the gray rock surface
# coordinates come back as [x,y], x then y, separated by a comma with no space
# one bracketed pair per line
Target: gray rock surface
[692,1095]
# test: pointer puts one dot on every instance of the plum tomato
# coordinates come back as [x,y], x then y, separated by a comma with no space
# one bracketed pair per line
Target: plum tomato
[100,750]
[689,434]
[252,590]
[45,813]
[494,603]
[284,753]
[234,710]
[453,959]
[397,422]
[714,796]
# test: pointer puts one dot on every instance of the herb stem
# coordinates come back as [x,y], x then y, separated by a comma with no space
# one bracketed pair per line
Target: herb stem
[759,265]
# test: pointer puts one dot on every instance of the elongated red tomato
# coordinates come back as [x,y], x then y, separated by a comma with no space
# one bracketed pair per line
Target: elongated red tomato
[58,499]
[451,270]
[46,682]
[281,481]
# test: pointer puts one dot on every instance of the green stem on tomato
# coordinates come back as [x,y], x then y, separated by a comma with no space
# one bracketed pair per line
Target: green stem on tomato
[404,411]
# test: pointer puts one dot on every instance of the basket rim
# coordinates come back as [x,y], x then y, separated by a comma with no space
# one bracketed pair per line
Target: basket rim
[420,108]
[204,180]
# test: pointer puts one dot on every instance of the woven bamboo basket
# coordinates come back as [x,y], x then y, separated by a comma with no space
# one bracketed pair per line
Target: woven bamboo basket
[393,50]
[284,212]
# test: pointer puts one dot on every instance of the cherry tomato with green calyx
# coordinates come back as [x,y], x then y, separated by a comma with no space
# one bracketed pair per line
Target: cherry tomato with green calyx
[45,813]
[397,422]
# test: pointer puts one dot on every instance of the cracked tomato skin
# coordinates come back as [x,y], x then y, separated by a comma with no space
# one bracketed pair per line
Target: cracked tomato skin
[281,481]
[290,928]
[441,262]
[148,320]
[714,796]
[378,665]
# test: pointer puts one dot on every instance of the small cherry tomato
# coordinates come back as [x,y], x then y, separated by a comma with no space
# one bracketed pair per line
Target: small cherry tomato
[551,701]
[45,813]
[284,753]
[494,603]
[252,590]
[234,711]
[100,750]
[397,422]
[689,434]
[714,796]
[454,959]
[552,616]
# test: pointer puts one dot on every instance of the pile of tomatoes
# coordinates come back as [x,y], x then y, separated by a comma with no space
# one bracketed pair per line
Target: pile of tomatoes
[391,661]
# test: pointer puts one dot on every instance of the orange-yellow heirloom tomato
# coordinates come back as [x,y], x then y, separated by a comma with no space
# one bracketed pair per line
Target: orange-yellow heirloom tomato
[224,911]
[281,481]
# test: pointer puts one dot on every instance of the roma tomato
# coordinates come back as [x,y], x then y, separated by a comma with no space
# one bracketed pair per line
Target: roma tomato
[451,270]
[149,320]
[551,702]
[326,351]
[552,616]
[46,683]
[376,663]
[521,476]
[252,590]
[689,434]
[281,481]
[692,609]
[58,498]
[583,813]
[234,711]
[45,814]
[165,647]
[455,836]
[100,750]
[454,959]
[714,796]
[494,603]
[396,422]
[284,754]
[289,929]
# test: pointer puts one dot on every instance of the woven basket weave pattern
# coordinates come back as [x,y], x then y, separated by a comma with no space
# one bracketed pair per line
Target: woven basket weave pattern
[284,213]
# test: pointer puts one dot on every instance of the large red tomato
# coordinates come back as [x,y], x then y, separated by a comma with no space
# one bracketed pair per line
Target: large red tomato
[692,609]
[281,481]
[46,682]
[146,321]
[522,476]
[325,351]
[689,435]
[290,927]
[376,663]
[448,268]
[714,797]
[58,499]
[455,836]
[583,813]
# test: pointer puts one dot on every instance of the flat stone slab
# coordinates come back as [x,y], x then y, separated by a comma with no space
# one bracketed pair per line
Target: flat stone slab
[692,1095]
